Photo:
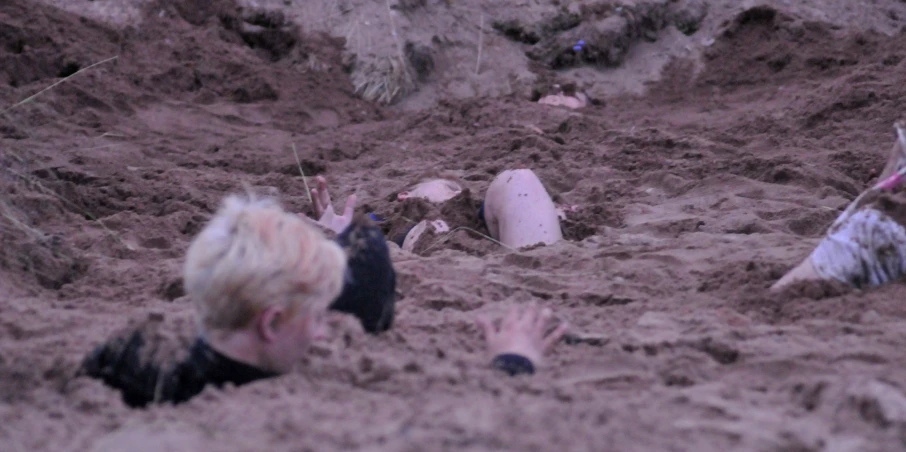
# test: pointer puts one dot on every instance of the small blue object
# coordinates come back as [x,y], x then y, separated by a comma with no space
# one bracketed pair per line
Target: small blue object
[577,48]
[375,217]
[581,42]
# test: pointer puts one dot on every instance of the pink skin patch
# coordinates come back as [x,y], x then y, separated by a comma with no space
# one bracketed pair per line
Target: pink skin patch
[563,210]
[891,182]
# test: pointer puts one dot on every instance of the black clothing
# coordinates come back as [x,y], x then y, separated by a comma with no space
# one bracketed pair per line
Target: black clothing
[122,364]
[369,291]
[481,215]
[513,364]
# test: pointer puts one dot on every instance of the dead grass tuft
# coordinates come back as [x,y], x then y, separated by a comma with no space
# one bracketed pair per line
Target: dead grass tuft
[383,79]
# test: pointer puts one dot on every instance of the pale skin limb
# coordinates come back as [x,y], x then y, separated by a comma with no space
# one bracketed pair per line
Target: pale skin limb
[558,98]
[434,190]
[519,211]
[324,211]
[897,159]
[438,226]
[564,210]
[522,332]
[562,100]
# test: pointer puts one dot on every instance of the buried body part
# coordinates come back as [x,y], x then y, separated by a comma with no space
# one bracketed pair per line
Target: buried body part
[866,244]
[262,281]
[517,209]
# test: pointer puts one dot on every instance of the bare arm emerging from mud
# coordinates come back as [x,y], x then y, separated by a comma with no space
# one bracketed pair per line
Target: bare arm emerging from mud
[323,207]
[519,212]
[261,280]
[518,344]
[866,245]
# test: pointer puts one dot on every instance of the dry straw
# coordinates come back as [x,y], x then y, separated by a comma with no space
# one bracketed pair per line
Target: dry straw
[304,180]
[480,45]
[447,236]
[377,78]
[7,211]
[33,96]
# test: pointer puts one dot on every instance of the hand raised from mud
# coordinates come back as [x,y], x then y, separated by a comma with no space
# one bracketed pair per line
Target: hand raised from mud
[522,332]
[324,211]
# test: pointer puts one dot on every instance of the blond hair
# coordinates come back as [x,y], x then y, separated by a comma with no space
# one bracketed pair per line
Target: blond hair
[252,255]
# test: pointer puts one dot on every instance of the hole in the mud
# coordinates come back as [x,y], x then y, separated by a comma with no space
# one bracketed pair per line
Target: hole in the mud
[421,60]
[515,31]
[253,91]
[892,60]
[17,46]
[757,15]
[266,19]
[718,351]
[173,289]
[688,29]
[309,167]
[268,31]
[69,69]
[779,63]
[680,381]
[409,5]
[781,176]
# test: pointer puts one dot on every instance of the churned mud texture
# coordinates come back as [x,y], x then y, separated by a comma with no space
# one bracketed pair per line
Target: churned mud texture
[723,141]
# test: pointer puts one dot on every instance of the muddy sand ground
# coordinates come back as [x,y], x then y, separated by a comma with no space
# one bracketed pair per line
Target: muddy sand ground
[723,139]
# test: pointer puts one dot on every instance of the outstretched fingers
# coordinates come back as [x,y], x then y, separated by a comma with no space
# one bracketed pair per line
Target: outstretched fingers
[555,335]
[321,196]
[542,319]
[350,206]
[511,319]
[486,325]
[317,193]
[529,317]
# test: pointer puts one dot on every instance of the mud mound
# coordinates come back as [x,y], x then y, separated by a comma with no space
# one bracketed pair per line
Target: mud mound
[601,33]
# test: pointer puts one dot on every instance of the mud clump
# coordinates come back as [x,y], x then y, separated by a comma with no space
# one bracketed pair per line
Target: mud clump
[48,260]
[267,32]
[600,34]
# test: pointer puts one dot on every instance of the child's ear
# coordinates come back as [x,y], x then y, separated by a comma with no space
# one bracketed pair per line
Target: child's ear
[402,195]
[269,322]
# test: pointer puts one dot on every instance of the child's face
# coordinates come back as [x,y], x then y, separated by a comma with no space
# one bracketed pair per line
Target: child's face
[434,190]
[292,336]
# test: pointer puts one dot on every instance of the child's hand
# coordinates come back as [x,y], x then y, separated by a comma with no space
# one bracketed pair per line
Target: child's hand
[522,333]
[324,208]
